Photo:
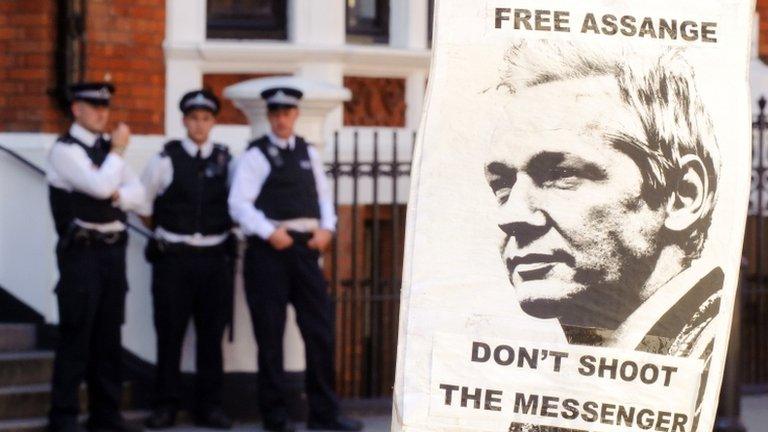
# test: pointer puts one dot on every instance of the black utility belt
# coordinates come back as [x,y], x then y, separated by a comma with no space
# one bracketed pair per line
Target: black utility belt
[300,238]
[171,248]
[89,237]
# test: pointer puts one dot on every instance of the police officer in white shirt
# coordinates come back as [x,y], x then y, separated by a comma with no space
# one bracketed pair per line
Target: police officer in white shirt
[280,199]
[91,189]
[192,261]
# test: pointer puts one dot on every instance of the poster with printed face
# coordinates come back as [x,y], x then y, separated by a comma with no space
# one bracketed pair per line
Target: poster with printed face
[576,218]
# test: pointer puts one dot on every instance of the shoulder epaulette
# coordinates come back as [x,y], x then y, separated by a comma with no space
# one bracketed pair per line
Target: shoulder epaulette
[169,146]
[257,142]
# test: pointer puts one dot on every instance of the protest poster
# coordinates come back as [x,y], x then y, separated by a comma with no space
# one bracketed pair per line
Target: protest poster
[576,218]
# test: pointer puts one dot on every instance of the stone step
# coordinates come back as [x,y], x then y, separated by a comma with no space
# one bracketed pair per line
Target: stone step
[17,337]
[38,424]
[30,401]
[23,368]
[24,401]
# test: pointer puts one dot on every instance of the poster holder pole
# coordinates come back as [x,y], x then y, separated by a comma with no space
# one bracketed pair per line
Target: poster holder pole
[729,409]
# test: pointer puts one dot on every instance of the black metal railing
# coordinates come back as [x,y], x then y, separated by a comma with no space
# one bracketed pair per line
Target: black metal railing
[754,350]
[366,259]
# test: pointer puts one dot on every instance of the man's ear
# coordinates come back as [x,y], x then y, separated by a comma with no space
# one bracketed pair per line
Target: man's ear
[688,199]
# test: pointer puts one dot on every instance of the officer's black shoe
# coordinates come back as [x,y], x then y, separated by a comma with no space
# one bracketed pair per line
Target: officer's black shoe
[282,426]
[215,418]
[113,425]
[338,424]
[161,418]
[65,427]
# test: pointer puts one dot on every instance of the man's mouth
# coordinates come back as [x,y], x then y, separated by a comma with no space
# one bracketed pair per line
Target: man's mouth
[535,266]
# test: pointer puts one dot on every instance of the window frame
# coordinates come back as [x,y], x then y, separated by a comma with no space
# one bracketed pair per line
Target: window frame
[378,33]
[275,27]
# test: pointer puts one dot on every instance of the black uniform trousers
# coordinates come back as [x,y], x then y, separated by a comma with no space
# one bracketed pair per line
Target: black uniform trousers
[91,299]
[272,279]
[192,283]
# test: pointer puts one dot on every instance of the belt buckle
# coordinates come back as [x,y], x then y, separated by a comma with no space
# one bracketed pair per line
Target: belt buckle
[81,234]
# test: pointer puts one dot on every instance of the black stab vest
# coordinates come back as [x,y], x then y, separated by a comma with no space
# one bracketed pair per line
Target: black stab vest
[67,206]
[290,191]
[196,199]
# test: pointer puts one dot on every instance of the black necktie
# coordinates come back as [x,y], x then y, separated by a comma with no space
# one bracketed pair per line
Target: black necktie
[101,147]
[199,161]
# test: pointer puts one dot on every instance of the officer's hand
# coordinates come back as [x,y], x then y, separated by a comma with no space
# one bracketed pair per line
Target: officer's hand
[120,138]
[321,238]
[280,239]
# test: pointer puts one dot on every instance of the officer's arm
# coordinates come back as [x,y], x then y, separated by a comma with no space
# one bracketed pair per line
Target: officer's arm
[72,164]
[250,175]
[156,178]
[130,195]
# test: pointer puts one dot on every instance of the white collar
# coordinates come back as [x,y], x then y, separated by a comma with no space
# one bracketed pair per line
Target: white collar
[84,135]
[284,144]
[632,331]
[191,147]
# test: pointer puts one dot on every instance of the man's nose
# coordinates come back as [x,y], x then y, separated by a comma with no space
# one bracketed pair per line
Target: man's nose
[521,215]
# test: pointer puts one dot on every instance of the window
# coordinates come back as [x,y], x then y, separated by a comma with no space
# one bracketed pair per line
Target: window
[247,19]
[368,21]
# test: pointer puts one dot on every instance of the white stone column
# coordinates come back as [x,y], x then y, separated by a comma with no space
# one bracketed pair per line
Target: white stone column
[331,73]
[185,28]
[313,22]
[181,76]
[408,23]
[185,21]
[415,89]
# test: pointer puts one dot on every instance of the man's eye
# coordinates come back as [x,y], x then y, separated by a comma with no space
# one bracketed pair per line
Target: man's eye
[561,177]
[502,194]
[501,186]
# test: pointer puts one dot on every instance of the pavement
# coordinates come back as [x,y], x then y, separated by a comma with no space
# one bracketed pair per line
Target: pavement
[372,424]
[754,414]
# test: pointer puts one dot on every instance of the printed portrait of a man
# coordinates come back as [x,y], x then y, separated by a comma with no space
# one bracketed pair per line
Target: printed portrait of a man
[605,171]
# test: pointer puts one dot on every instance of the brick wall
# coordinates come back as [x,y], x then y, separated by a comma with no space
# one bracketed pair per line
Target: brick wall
[27,43]
[375,102]
[124,45]
[762,9]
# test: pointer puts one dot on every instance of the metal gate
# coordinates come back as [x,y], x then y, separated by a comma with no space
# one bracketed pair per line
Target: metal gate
[754,352]
[370,173]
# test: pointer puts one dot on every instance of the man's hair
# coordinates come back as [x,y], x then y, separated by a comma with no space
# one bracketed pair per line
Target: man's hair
[658,86]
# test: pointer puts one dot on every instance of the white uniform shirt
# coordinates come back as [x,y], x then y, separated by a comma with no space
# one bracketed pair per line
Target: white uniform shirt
[71,169]
[157,177]
[252,171]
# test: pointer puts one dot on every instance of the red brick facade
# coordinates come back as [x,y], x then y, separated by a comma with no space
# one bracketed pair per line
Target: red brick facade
[27,66]
[762,9]
[375,102]
[123,44]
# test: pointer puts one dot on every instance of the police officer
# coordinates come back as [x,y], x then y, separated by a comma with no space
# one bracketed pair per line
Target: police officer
[192,262]
[280,199]
[91,188]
